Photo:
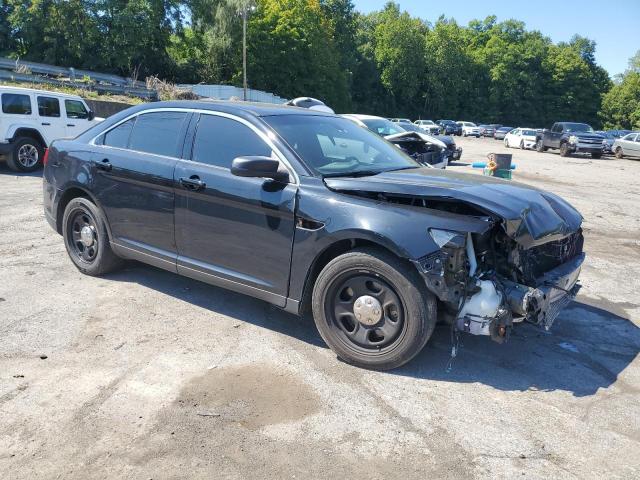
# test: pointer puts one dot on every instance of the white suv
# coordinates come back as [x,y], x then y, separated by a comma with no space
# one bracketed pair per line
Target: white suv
[469,129]
[31,119]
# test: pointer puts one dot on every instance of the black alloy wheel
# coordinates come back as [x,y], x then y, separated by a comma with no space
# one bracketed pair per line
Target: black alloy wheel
[83,233]
[373,309]
[86,238]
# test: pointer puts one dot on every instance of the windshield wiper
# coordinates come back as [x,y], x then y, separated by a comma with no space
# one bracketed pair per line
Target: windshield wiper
[356,173]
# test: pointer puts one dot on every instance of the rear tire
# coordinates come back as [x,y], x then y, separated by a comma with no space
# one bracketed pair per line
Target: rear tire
[619,153]
[86,238]
[26,156]
[402,312]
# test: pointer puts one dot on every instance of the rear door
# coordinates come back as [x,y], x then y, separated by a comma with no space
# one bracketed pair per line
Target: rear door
[133,177]
[50,116]
[232,231]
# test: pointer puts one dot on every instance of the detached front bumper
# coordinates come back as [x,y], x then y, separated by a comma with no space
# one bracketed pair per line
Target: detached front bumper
[554,291]
[456,154]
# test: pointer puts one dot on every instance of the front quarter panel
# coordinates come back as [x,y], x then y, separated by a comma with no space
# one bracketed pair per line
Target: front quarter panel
[401,229]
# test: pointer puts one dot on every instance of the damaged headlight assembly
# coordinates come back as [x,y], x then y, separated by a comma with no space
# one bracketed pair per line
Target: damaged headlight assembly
[476,301]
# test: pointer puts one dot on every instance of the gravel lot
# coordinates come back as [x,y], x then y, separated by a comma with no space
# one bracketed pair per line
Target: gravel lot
[149,375]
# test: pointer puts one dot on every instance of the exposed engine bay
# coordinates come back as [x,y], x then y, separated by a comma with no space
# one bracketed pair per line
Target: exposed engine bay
[424,149]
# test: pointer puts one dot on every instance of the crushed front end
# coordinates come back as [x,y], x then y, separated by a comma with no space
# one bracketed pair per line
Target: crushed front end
[487,282]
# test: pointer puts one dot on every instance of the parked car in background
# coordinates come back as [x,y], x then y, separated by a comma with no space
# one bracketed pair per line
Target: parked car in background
[31,119]
[619,133]
[469,129]
[501,132]
[609,138]
[571,137]
[487,130]
[627,146]
[415,142]
[450,127]
[521,138]
[308,211]
[400,120]
[453,151]
[429,126]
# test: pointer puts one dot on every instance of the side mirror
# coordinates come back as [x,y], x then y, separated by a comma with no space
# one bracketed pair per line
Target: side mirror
[263,167]
[91,115]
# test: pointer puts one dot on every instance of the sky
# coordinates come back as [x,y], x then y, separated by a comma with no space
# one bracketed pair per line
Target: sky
[613,24]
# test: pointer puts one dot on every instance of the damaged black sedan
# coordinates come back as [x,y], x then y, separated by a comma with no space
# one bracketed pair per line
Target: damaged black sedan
[310,212]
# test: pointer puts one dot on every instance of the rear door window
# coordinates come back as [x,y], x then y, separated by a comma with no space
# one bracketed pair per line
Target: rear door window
[158,133]
[48,107]
[219,140]
[16,104]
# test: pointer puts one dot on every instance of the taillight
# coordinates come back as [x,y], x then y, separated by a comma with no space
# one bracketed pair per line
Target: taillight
[45,159]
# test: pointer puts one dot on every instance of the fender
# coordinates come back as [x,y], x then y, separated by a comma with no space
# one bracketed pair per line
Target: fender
[14,129]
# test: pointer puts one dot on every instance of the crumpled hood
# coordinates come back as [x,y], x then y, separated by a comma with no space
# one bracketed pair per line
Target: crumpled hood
[423,136]
[529,216]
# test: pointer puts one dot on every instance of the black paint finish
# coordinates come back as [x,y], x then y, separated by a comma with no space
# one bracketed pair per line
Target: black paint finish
[263,237]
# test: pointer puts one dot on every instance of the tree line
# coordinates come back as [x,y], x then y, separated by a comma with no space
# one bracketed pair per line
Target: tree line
[386,63]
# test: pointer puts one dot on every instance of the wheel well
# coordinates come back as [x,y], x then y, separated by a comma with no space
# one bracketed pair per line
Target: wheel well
[322,260]
[67,196]
[30,132]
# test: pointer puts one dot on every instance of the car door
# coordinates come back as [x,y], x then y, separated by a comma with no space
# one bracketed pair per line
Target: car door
[76,117]
[50,117]
[133,165]
[554,136]
[233,231]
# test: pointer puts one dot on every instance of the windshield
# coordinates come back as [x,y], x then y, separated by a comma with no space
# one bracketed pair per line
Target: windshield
[383,127]
[577,127]
[529,133]
[333,146]
[426,122]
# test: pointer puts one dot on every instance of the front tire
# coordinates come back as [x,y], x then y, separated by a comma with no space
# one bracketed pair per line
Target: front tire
[86,238]
[564,150]
[372,309]
[521,145]
[619,153]
[26,156]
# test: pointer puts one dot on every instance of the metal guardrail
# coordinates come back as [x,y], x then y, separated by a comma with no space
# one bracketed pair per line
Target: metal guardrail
[100,82]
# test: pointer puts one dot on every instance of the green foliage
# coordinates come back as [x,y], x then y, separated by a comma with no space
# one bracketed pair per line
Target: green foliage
[621,105]
[387,62]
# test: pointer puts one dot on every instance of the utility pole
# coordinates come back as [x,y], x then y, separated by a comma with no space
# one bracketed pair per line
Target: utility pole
[244,50]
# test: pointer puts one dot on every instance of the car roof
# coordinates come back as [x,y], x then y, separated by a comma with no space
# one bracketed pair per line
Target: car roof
[358,116]
[7,88]
[238,107]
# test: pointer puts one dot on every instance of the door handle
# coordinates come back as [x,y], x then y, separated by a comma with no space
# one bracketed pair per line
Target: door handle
[71,124]
[46,124]
[104,165]
[192,183]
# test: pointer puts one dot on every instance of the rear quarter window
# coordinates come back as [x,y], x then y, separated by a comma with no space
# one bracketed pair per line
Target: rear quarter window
[16,104]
